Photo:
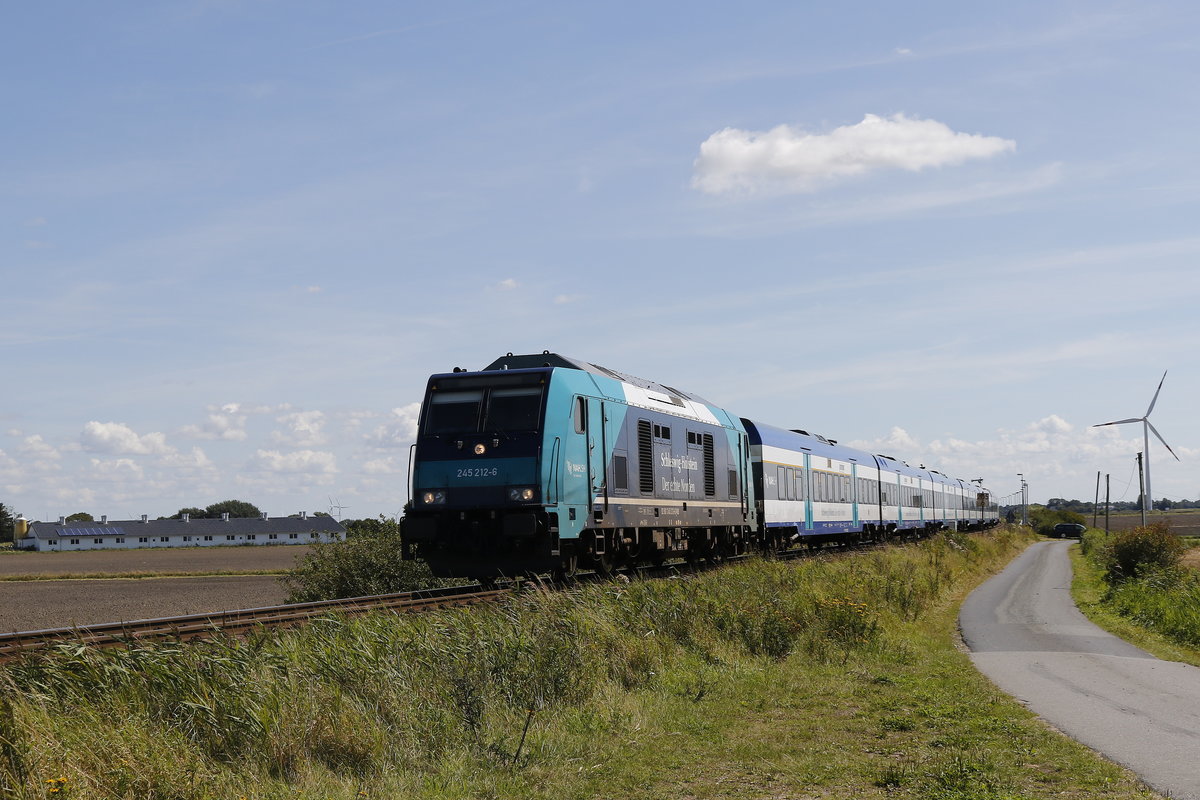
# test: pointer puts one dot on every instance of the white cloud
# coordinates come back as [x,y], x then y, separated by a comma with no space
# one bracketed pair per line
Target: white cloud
[303,429]
[116,469]
[400,429]
[196,459]
[507,284]
[119,438]
[903,51]
[1049,452]
[305,461]
[381,466]
[37,448]
[785,159]
[225,424]
[563,299]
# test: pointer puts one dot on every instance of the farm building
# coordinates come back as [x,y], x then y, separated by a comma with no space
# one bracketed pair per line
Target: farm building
[186,532]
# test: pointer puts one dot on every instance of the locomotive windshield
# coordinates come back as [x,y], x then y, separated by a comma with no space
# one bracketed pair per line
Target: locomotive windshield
[453,412]
[489,405]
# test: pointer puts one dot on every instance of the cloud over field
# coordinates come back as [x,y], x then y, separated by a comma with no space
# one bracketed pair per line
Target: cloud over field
[787,160]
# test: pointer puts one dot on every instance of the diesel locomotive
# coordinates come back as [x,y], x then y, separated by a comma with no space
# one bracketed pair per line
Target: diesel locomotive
[544,463]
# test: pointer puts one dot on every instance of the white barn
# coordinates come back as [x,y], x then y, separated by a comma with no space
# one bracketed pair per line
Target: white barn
[186,532]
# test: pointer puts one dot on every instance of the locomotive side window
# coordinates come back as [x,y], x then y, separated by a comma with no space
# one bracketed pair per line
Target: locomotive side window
[580,414]
[733,483]
[620,473]
[453,412]
[514,409]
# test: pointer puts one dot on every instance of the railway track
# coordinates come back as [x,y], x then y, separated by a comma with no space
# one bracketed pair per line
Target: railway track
[241,621]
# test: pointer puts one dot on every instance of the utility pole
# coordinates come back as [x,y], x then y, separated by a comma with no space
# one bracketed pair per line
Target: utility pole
[1107,489]
[1142,488]
[1096,502]
[1024,499]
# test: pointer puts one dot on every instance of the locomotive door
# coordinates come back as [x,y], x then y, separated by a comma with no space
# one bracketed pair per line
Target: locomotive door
[597,446]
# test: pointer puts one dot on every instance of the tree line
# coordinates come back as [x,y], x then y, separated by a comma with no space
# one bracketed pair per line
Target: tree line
[1087,506]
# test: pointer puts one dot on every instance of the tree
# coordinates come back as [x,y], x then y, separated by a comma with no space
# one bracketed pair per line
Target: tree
[7,534]
[81,516]
[193,513]
[234,508]
[1163,505]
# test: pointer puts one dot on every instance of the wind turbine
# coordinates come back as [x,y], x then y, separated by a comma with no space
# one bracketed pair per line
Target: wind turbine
[339,508]
[1146,428]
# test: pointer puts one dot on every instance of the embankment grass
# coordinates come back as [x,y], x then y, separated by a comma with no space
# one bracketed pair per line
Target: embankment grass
[827,678]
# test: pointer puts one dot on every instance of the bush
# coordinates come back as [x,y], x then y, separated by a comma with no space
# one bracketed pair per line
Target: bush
[1138,552]
[1043,520]
[368,562]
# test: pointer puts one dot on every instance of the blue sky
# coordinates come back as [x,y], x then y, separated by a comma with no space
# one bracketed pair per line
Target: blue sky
[238,236]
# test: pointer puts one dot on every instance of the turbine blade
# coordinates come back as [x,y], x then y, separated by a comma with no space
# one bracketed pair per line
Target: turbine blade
[1164,441]
[1120,422]
[1156,391]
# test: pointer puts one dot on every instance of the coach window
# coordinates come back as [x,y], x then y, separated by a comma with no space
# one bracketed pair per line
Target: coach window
[781,482]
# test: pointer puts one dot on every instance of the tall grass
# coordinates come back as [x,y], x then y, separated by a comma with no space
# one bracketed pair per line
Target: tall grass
[1145,581]
[438,704]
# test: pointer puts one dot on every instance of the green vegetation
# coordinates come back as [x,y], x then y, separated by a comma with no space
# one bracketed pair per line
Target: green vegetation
[367,562]
[832,677]
[6,525]
[1144,583]
[234,508]
[1043,520]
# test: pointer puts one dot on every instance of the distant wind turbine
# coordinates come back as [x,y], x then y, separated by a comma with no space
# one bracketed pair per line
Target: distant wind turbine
[1148,499]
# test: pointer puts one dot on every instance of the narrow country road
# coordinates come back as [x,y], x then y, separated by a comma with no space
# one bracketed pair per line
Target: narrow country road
[1027,636]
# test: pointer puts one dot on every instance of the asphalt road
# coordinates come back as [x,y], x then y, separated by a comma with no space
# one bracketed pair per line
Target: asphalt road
[1027,636]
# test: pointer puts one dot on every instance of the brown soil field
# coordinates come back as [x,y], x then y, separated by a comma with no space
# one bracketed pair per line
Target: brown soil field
[1183,523]
[36,605]
[183,560]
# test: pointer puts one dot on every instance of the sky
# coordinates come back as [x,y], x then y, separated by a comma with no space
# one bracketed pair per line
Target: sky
[237,237]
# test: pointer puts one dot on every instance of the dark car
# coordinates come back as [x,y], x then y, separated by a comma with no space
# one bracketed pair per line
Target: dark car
[1064,530]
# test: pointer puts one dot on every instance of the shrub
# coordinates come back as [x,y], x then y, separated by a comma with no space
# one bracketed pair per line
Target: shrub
[1043,520]
[368,562]
[1135,553]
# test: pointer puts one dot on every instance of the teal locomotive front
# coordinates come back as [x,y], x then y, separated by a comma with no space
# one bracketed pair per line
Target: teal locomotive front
[543,463]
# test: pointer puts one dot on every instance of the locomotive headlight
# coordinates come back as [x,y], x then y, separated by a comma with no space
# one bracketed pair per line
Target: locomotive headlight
[521,494]
[480,449]
[433,498]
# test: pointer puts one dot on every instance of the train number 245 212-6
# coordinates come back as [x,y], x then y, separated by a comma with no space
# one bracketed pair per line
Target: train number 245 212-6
[478,472]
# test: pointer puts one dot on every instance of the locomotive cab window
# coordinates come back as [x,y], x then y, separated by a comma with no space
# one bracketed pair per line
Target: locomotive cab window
[516,409]
[453,412]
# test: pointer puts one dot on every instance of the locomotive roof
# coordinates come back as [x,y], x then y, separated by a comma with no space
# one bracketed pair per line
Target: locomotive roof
[548,359]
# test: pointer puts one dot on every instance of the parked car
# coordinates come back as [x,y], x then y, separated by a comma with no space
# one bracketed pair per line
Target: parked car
[1064,530]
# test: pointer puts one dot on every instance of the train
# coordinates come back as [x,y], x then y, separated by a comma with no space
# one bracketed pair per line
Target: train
[545,464]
